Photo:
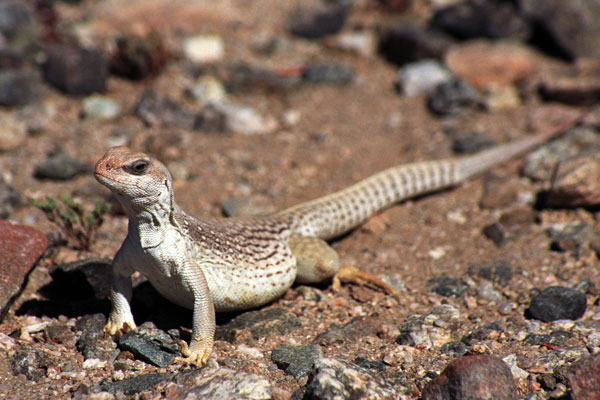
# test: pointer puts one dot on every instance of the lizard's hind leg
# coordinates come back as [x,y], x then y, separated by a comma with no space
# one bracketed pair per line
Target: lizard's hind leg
[316,262]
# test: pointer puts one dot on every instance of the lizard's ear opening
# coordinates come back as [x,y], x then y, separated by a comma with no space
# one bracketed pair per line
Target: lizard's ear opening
[138,167]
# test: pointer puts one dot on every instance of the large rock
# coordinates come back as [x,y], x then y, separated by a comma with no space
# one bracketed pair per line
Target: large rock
[20,248]
[566,28]
[473,377]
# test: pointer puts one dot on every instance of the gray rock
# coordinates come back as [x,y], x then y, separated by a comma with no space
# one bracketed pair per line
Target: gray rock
[150,345]
[17,87]
[75,70]
[10,200]
[339,380]
[297,361]
[555,338]
[421,77]
[451,97]
[221,383]
[15,17]
[61,166]
[243,119]
[92,342]
[557,302]
[253,325]
[374,365]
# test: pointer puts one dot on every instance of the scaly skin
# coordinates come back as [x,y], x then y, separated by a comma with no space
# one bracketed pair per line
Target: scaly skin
[216,264]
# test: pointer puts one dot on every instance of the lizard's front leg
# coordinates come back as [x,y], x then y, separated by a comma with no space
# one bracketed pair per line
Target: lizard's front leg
[120,319]
[203,329]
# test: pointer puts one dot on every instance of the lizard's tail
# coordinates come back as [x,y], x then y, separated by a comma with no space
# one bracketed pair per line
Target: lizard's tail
[337,213]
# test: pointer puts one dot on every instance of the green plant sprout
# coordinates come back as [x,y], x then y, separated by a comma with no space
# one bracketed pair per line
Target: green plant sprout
[77,225]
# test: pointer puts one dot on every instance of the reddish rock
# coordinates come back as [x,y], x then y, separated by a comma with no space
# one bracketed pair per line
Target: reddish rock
[577,184]
[473,377]
[20,248]
[584,379]
[488,65]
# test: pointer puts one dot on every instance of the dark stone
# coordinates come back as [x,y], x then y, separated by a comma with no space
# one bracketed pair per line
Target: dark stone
[496,233]
[10,200]
[557,302]
[139,57]
[447,287]
[556,338]
[337,379]
[155,110]
[450,98]
[454,349]
[584,92]
[583,378]
[499,272]
[481,333]
[137,384]
[253,325]
[407,43]
[328,72]
[475,19]
[150,345]
[547,381]
[365,363]
[319,21]
[61,166]
[20,248]
[18,88]
[75,70]
[567,29]
[472,377]
[297,361]
[472,144]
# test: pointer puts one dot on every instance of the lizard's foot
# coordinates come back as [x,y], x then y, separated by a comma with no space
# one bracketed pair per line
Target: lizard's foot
[197,353]
[353,275]
[118,326]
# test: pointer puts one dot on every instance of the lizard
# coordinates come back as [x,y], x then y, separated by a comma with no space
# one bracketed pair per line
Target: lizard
[225,264]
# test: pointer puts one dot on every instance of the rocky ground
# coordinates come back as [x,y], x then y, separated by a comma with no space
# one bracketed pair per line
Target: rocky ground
[256,106]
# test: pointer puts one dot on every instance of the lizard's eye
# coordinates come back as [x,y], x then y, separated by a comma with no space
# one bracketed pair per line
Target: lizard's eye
[139,167]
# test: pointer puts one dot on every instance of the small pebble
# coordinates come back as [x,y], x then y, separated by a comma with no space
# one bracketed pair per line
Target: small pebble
[421,77]
[204,49]
[100,107]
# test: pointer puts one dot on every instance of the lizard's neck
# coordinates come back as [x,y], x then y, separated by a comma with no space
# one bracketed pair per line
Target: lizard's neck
[150,220]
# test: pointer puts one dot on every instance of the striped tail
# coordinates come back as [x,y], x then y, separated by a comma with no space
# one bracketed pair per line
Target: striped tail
[339,212]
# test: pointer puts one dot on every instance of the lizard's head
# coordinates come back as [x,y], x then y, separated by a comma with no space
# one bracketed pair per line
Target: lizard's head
[137,180]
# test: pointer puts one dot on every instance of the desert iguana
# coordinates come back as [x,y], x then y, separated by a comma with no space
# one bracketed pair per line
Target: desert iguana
[214,264]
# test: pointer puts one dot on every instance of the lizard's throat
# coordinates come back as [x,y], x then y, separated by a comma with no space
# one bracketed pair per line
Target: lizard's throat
[149,224]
